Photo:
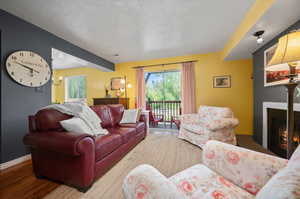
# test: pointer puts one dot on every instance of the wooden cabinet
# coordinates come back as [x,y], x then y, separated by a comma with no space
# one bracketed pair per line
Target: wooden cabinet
[104,101]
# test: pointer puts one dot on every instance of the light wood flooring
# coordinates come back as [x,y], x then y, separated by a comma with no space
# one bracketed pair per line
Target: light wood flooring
[162,150]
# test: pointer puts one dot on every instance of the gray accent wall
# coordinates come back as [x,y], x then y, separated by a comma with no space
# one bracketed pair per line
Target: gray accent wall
[17,101]
[266,94]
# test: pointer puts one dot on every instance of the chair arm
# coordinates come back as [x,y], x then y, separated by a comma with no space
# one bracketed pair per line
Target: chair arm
[190,118]
[147,182]
[175,117]
[248,169]
[142,118]
[220,123]
[66,143]
[158,116]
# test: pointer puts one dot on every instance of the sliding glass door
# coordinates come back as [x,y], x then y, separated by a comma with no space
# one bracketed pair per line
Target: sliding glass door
[163,93]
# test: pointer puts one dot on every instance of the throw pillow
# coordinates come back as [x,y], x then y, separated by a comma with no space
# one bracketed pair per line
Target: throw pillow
[284,184]
[76,125]
[130,116]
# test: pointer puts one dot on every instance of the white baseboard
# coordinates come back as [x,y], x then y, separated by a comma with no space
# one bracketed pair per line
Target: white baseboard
[14,162]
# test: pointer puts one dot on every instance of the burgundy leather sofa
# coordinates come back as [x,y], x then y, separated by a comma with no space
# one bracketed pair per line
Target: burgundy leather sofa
[77,159]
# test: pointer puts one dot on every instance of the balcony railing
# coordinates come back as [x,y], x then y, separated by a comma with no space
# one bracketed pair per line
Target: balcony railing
[165,108]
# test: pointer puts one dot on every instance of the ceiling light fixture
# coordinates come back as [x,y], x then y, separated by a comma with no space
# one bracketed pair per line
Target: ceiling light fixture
[259,36]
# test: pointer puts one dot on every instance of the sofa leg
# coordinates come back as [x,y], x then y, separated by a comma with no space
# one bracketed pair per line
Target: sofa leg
[83,189]
[39,176]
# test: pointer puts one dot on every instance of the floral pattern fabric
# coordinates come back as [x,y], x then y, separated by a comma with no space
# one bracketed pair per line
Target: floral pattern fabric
[211,123]
[285,184]
[200,138]
[227,172]
[192,119]
[145,182]
[213,112]
[247,169]
[295,158]
[200,182]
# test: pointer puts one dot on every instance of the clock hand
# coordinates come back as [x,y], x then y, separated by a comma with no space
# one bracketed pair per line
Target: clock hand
[31,69]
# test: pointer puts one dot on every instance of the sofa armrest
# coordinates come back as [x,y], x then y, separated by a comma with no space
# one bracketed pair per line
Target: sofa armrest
[147,182]
[65,143]
[190,118]
[248,169]
[218,124]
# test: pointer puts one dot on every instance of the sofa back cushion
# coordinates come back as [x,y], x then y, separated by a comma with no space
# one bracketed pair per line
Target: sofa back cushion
[213,112]
[104,113]
[49,120]
[116,113]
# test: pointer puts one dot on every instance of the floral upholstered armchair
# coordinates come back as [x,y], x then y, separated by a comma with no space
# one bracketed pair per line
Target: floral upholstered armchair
[227,172]
[210,123]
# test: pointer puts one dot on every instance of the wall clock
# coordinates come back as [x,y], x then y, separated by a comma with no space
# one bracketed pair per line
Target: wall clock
[28,68]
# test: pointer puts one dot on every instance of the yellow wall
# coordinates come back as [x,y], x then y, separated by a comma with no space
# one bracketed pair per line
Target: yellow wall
[96,82]
[239,97]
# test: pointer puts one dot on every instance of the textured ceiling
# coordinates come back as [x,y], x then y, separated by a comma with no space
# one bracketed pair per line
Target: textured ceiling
[136,29]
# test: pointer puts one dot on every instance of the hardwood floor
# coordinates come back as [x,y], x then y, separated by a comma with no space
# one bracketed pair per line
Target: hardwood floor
[19,182]
[164,151]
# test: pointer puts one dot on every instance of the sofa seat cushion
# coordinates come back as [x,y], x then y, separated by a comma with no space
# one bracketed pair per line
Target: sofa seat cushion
[139,126]
[126,133]
[106,144]
[199,181]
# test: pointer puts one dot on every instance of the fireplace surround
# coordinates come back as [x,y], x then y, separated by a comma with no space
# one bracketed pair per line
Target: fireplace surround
[274,126]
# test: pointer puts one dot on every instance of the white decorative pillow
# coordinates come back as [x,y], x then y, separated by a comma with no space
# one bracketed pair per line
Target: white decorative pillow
[130,116]
[284,184]
[76,125]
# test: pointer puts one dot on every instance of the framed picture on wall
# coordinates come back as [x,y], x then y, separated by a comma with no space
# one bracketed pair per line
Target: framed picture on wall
[222,81]
[117,83]
[75,88]
[274,75]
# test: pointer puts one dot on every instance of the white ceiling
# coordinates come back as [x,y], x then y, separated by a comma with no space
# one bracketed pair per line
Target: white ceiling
[278,18]
[62,60]
[136,29]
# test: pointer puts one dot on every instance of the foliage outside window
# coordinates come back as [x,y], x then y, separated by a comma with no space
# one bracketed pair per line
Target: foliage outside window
[163,86]
[75,88]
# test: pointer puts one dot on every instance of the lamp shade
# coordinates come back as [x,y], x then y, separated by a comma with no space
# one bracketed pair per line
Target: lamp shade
[288,49]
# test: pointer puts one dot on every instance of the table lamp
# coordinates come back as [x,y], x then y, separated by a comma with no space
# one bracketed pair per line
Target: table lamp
[288,52]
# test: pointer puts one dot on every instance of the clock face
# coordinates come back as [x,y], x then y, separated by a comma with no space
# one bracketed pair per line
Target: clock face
[28,68]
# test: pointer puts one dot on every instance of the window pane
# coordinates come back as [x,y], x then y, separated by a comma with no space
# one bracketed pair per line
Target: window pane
[162,86]
[77,87]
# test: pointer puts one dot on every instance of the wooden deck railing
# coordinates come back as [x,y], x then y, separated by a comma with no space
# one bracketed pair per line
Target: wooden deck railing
[165,108]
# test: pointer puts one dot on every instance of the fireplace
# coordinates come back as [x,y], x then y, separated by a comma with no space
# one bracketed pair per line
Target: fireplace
[277,132]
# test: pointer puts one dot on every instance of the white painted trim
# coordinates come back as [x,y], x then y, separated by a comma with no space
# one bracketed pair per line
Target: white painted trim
[14,162]
[274,105]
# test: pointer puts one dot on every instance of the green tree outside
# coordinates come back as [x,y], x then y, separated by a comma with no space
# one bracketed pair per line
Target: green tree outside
[163,86]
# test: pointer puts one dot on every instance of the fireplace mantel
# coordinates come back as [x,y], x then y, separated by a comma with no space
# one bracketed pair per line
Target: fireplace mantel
[274,105]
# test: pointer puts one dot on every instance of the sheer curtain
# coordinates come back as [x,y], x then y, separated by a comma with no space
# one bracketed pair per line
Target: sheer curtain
[140,85]
[188,90]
